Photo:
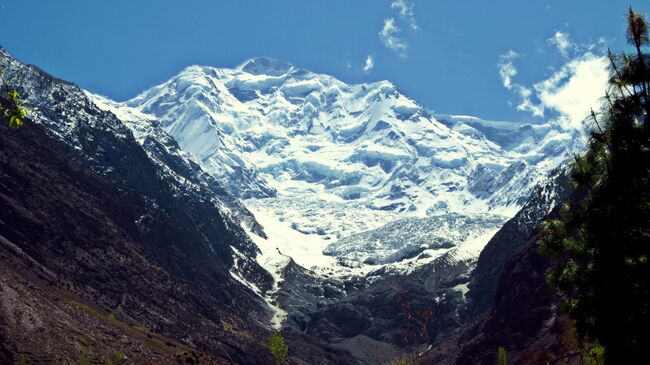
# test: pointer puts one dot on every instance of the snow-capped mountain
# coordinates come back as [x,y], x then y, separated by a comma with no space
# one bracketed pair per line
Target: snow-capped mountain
[320,160]
[354,185]
[350,182]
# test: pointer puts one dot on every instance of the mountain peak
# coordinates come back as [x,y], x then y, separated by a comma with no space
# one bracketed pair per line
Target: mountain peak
[266,66]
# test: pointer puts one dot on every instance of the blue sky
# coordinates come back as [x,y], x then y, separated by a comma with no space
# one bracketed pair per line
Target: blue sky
[451,56]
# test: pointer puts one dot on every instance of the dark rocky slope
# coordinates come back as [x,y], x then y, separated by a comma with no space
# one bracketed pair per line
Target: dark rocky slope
[372,309]
[69,260]
[514,234]
[525,315]
[177,224]
[526,318]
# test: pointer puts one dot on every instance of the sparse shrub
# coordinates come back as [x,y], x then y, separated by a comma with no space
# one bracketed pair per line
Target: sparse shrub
[192,358]
[115,359]
[11,108]
[502,356]
[278,348]
[415,330]
[594,355]
[118,355]
[56,359]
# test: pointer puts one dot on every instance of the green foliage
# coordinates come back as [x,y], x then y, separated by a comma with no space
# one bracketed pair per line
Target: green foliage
[594,355]
[23,360]
[502,356]
[278,347]
[11,107]
[111,318]
[600,244]
[116,358]
[118,355]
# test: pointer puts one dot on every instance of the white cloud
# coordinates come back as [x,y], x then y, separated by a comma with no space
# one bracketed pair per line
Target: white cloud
[389,36]
[406,12]
[562,42]
[370,64]
[567,48]
[569,93]
[507,69]
[526,104]
[576,88]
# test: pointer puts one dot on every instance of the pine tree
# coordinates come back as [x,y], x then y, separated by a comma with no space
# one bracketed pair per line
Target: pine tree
[601,244]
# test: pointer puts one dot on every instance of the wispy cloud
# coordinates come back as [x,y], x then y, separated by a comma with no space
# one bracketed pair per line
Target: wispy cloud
[369,65]
[405,12]
[507,69]
[562,42]
[389,35]
[507,72]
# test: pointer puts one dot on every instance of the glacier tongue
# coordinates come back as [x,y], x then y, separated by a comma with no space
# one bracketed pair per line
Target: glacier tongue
[327,160]
[427,237]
